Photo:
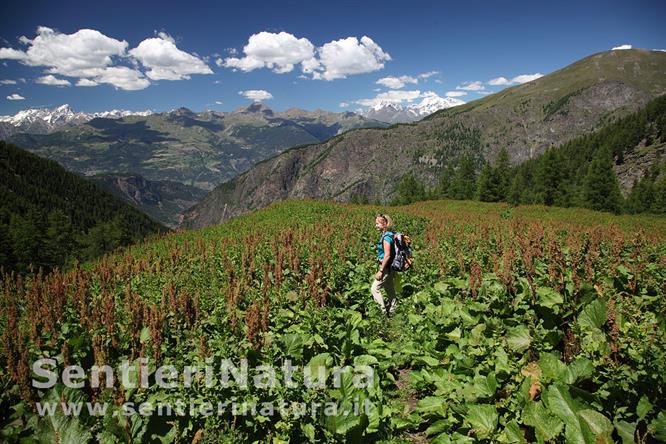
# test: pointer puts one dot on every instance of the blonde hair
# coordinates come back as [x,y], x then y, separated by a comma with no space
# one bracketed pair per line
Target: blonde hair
[387,219]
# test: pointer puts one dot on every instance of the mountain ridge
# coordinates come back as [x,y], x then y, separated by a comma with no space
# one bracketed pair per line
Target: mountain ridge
[198,150]
[525,119]
[393,112]
[47,120]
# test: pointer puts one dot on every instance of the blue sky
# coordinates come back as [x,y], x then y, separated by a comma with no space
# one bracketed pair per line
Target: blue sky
[162,55]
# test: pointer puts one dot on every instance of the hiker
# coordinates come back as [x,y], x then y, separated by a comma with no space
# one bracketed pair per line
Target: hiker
[384,278]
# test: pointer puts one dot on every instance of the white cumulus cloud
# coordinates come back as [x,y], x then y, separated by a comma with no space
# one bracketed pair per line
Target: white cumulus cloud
[279,52]
[15,97]
[428,74]
[94,58]
[344,105]
[471,86]
[499,81]
[86,82]
[396,82]
[52,80]
[625,46]
[456,93]
[165,61]
[11,54]
[340,58]
[522,78]
[121,77]
[8,82]
[256,94]
[67,54]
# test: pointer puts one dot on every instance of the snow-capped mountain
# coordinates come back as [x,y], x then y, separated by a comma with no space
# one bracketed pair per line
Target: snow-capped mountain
[46,120]
[392,112]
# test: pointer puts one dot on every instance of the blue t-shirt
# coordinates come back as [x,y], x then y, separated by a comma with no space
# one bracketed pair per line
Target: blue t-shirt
[386,236]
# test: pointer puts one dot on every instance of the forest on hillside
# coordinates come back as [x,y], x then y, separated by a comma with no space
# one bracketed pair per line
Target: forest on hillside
[578,173]
[50,217]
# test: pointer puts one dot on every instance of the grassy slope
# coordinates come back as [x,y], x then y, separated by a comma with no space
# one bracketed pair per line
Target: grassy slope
[642,68]
[164,275]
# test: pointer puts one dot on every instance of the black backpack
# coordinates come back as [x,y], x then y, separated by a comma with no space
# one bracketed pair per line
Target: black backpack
[402,252]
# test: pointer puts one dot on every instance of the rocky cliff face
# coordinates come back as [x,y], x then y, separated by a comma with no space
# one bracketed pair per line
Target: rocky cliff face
[161,200]
[525,119]
[637,163]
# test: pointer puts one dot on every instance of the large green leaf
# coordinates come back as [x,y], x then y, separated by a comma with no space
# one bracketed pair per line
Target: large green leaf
[583,424]
[561,404]
[598,424]
[438,426]
[428,360]
[644,407]
[549,297]
[374,416]
[293,345]
[518,338]
[594,314]
[546,425]
[579,370]
[511,434]
[482,418]
[59,427]
[324,360]
[659,426]
[485,386]
[346,383]
[552,368]
[627,431]
[433,405]
[455,334]
[344,421]
[365,360]
[354,318]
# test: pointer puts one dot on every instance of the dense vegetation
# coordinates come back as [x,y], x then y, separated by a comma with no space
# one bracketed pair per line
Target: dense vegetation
[49,217]
[525,324]
[578,173]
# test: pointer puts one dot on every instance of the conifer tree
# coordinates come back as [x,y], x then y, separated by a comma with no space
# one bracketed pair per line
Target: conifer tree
[489,184]
[641,197]
[445,180]
[549,178]
[27,238]
[601,190]
[59,243]
[659,203]
[463,185]
[409,190]
[504,173]
[516,189]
